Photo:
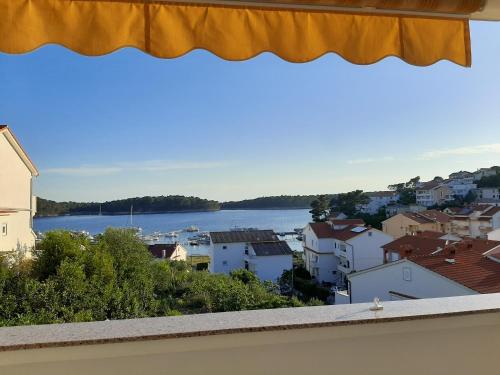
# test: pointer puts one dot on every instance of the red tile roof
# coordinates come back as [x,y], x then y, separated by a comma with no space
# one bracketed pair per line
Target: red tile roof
[430,234]
[347,221]
[324,230]
[471,267]
[436,215]
[415,245]
[492,211]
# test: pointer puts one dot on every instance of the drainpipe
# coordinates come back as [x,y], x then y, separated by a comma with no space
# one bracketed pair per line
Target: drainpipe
[349,290]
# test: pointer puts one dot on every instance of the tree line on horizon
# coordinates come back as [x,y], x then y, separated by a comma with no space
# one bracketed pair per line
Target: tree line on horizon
[345,202]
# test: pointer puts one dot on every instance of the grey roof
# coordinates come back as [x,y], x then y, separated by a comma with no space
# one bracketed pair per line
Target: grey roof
[243,236]
[271,248]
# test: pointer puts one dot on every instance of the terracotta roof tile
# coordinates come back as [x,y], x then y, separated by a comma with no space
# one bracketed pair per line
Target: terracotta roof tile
[415,245]
[347,221]
[471,268]
[324,230]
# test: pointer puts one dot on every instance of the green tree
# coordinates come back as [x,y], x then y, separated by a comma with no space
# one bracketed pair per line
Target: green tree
[407,190]
[348,202]
[320,208]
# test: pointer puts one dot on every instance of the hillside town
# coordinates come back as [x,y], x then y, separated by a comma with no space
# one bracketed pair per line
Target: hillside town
[435,238]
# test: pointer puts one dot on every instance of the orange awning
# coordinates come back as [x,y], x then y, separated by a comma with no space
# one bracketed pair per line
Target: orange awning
[419,32]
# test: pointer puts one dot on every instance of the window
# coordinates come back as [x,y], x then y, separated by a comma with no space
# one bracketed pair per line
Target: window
[224,262]
[370,234]
[224,247]
[406,273]
[4,229]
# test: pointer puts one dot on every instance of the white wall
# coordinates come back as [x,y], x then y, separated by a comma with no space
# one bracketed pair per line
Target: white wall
[403,277]
[270,268]
[322,245]
[233,254]
[325,265]
[366,250]
[319,256]
[15,193]
[494,235]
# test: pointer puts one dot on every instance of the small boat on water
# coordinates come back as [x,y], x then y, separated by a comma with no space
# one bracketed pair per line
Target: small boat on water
[193,243]
[192,228]
[170,235]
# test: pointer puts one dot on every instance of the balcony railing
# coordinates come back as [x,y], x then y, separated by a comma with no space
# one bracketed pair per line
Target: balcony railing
[459,335]
[344,268]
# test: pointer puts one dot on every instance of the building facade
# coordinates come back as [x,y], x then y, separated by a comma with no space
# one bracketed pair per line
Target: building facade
[378,200]
[409,223]
[335,249]
[464,268]
[476,221]
[433,193]
[17,203]
[259,251]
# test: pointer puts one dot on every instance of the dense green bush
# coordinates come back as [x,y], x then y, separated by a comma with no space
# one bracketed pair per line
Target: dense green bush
[71,280]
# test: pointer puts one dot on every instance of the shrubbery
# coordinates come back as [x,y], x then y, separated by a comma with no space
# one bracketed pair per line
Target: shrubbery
[71,280]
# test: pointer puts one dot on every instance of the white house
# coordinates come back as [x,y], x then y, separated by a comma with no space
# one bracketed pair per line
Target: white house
[337,248]
[268,260]
[465,268]
[378,200]
[487,193]
[494,235]
[17,203]
[171,251]
[259,251]
[433,193]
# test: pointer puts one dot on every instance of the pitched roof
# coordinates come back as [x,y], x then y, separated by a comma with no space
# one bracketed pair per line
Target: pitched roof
[16,145]
[470,268]
[492,211]
[436,215]
[271,248]
[430,234]
[243,236]
[324,230]
[347,222]
[429,185]
[157,250]
[415,216]
[415,245]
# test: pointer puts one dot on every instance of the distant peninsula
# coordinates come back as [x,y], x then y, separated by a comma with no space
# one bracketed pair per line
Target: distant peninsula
[171,203]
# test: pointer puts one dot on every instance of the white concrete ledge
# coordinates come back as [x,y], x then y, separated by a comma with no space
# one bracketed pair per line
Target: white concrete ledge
[59,335]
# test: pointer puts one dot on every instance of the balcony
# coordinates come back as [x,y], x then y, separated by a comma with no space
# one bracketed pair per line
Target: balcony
[344,268]
[458,335]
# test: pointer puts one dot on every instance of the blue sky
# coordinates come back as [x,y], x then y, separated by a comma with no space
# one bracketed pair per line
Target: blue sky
[128,124]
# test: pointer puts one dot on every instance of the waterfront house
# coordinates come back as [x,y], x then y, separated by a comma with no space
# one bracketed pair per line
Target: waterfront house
[259,251]
[413,222]
[476,221]
[17,203]
[378,200]
[334,249]
[171,251]
[433,193]
[467,267]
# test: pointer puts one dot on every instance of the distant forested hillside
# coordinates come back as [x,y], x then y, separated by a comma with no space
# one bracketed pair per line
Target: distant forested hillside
[282,201]
[141,205]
